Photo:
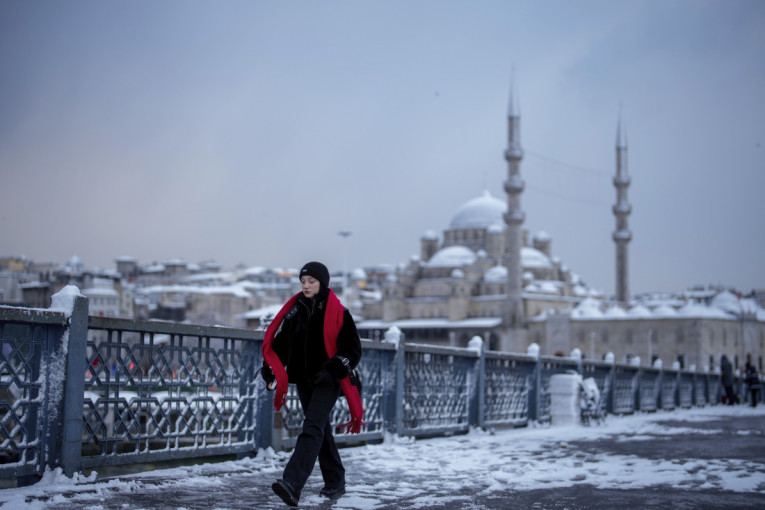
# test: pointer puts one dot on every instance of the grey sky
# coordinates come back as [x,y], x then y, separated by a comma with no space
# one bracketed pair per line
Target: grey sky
[251,132]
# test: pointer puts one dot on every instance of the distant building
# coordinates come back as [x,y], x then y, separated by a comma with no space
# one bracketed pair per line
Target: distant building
[103,298]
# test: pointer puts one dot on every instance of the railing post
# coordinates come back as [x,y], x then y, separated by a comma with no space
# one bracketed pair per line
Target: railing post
[400,364]
[535,384]
[261,413]
[74,387]
[660,382]
[478,399]
[611,377]
[393,383]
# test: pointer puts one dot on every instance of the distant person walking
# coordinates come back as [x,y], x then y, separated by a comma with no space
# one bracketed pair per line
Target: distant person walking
[726,376]
[315,338]
[752,379]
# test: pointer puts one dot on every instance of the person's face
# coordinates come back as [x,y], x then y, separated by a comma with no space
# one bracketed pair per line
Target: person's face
[310,286]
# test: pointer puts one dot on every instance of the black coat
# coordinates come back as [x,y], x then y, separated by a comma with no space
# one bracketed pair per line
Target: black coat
[299,343]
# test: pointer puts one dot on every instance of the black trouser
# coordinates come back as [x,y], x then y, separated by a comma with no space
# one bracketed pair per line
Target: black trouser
[316,439]
[729,395]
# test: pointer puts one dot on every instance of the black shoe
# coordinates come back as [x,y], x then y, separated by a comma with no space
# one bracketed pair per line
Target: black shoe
[335,493]
[284,491]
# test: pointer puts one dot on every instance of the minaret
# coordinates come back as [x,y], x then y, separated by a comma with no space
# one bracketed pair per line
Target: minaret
[513,317]
[622,209]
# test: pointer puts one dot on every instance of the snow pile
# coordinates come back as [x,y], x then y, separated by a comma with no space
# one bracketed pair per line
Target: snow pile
[564,399]
[63,300]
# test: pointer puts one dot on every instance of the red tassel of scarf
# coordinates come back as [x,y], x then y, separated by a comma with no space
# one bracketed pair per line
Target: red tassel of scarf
[272,359]
[333,322]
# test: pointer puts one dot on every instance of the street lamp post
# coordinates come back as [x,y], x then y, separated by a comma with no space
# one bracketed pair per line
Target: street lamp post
[345,234]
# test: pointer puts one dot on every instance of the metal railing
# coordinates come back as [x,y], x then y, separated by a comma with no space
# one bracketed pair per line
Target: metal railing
[81,392]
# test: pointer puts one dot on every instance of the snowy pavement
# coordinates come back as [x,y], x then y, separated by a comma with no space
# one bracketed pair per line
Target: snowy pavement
[711,457]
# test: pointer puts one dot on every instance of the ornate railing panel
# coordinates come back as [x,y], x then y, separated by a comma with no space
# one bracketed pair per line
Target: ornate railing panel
[625,389]
[669,389]
[685,385]
[650,389]
[436,389]
[156,391]
[508,382]
[31,376]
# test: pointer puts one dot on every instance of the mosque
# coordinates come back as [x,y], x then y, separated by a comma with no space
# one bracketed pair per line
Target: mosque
[487,276]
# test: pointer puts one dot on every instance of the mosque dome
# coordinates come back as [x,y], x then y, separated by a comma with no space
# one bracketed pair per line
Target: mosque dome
[531,257]
[453,256]
[481,212]
[496,274]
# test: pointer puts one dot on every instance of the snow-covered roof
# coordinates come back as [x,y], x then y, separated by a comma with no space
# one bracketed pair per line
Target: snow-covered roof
[235,290]
[543,287]
[703,311]
[531,257]
[478,322]
[480,212]
[588,309]
[496,274]
[614,311]
[263,312]
[358,274]
[639,311]
[591,308]
[453,256]
[99,291]
[664,310]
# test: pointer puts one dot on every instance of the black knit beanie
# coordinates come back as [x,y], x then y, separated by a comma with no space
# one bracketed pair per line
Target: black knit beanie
[318,271]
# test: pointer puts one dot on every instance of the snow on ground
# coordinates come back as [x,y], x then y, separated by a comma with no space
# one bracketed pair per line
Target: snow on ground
[452,469]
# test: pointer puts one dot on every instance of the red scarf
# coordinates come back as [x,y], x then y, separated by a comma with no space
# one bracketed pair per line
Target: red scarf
[333,322]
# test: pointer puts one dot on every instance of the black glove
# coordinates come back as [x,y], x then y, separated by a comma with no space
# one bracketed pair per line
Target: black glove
[324,378]
[338,366]
[268,376]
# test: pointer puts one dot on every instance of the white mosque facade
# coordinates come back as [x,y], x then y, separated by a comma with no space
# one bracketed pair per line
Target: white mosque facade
[463,283]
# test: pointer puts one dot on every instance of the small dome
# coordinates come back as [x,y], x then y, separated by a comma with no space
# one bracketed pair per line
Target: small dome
[531,257]
[458,273]
[496,274]
[664,310]
[453,256]
[614,311]
[728,302]
[482,212]
[639,311]
[587,309]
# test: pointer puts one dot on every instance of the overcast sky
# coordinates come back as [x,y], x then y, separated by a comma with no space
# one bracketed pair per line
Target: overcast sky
[252,132]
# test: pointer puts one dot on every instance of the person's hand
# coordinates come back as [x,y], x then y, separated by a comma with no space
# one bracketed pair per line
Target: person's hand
[338,366]
[268,376]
